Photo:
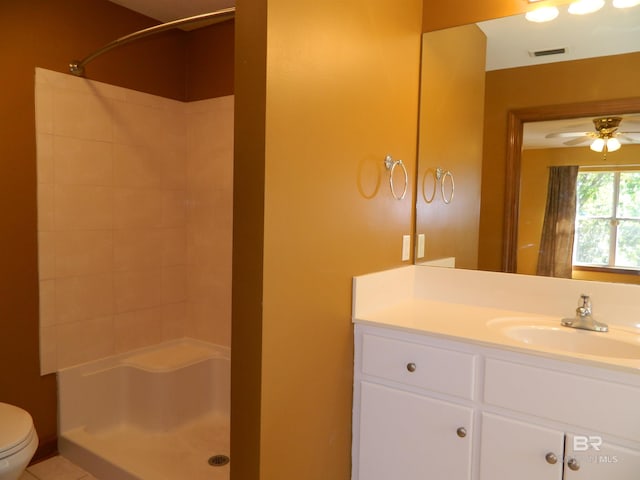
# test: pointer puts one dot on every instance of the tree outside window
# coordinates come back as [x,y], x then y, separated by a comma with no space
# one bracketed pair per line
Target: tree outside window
[608,219]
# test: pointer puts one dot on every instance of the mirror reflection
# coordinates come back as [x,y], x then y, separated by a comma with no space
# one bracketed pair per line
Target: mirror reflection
[473,80]
[579,208]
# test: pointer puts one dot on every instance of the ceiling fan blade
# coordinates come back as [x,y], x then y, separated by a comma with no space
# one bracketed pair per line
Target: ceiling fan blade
[567,134]
[630,124]
[630,139]
[577,141]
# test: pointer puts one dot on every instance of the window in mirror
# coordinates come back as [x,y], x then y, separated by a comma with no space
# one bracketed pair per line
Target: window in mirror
[607,230]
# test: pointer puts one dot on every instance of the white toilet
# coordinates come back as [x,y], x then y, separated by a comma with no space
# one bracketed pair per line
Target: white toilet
[18,441]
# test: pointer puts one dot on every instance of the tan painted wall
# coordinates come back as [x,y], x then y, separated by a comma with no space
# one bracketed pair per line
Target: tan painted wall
[450,137]
[552,84]
[250,88]
[331,119]
[50,34]
[438,14]
[533,194]
[341,93]
[209,62]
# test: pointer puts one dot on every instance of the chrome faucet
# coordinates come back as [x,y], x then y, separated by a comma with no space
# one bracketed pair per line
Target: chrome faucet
[584,317]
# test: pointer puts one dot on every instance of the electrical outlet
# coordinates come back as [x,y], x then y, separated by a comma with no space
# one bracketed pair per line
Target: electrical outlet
[421,242]
[406,247]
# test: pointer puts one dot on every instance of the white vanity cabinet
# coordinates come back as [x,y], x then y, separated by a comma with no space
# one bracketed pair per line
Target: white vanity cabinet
[428,407]
[413,419]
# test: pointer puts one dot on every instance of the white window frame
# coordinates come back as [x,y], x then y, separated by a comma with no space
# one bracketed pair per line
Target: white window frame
[614,222]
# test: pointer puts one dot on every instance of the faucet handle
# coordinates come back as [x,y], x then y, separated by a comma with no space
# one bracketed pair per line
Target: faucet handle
[584,305]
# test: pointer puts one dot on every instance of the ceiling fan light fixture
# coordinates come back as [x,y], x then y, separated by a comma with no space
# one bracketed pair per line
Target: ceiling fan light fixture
[610,144]
[597,145]
[542,14]
[625,3]
[583,7]
[613,144]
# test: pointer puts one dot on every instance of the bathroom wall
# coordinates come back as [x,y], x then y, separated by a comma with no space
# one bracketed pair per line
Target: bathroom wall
[40,33]
[134,219]
[209,61]
[324,91]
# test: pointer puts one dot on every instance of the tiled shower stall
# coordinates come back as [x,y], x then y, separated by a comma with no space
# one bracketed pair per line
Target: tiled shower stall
[134,248]
[134,219]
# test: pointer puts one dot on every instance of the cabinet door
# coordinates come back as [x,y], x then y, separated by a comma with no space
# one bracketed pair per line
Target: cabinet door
[591,458]
[510,449]
[407,436]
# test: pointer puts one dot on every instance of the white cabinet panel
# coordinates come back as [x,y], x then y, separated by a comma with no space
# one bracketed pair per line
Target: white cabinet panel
[528,389]
[596,460]
[404,436]
[511,449]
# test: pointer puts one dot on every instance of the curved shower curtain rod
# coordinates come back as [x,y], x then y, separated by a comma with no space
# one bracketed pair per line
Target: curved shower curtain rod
[76,67]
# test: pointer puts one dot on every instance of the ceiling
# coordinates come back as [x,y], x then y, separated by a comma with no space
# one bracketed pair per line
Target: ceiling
[610,31]
[167,10]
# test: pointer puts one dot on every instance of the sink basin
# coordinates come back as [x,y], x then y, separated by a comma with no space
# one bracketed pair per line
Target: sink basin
[552,336]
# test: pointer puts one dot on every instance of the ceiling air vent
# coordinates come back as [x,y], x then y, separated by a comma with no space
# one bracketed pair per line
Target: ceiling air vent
[551,51]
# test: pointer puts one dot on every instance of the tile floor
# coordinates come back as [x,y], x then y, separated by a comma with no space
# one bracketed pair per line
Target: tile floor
[56,468]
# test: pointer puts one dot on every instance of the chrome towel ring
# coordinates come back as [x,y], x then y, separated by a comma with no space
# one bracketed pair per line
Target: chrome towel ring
[391,164]
[441,176]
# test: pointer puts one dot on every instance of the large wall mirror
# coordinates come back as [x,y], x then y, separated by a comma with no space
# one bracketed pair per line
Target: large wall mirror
[504,101]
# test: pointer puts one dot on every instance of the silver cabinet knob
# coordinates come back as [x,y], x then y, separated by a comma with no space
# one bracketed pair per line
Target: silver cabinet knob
[411,367]
[573,464]
[462,432]
[551,458]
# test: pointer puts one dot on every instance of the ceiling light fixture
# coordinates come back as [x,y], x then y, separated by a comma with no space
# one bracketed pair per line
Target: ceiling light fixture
[607,130]
[625,3]
[583,7]
[542,14]
[605,145]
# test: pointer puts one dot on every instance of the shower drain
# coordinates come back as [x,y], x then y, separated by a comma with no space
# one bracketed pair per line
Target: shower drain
[218,460]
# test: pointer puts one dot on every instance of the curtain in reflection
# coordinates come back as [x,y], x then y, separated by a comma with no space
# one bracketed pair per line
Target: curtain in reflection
[558,230]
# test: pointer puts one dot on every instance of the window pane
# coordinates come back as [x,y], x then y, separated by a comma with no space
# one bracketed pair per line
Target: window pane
[629,202]
[595,194]
[628,248]
[592,242]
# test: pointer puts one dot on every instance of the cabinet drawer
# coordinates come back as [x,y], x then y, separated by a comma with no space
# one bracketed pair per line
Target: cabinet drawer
[435,369]
[585,402]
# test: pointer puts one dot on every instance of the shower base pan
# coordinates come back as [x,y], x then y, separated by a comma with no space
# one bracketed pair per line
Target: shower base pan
[161,413]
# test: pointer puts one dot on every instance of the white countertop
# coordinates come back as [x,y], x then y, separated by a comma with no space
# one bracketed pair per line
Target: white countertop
[477,324]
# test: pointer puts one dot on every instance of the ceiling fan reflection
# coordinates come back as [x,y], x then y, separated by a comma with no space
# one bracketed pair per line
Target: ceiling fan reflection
[606,136]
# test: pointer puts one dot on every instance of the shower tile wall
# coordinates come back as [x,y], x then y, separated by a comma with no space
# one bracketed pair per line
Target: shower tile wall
[134,219]
[210,218]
